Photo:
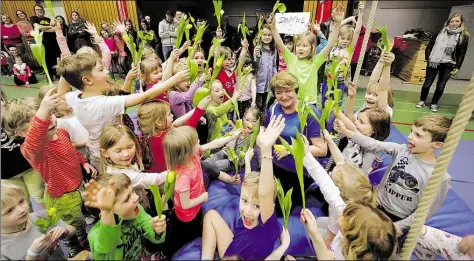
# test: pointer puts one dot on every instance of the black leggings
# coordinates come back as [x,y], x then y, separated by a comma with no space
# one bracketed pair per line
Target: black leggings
[444,70]
[289,180]
[31,80]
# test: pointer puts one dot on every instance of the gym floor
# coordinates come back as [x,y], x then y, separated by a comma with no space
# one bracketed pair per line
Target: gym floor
[405,113]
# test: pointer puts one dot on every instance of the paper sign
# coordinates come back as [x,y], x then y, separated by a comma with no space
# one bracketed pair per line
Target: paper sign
[292,23]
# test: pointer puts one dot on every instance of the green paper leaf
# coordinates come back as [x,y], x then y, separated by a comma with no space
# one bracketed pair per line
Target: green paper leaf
[49,5]
[181,29]
[282,8]
[193,70]
[157,199]
[200,94]
[286,144]
[239,124]
[218,11]
[275,7]
[256,130]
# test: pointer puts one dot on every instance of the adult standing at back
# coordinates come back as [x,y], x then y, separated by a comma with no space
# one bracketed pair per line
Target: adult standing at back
[445,53]
[168,30]
[49,38]
[77,34]
[10,34]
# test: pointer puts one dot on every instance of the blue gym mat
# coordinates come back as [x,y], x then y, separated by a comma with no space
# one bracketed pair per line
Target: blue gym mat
[454,216]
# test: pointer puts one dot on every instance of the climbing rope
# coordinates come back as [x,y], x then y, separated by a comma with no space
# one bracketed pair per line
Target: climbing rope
[454,135]
[370,21]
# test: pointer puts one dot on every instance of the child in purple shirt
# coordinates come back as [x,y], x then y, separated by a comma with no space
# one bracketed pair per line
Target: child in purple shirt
[257,230]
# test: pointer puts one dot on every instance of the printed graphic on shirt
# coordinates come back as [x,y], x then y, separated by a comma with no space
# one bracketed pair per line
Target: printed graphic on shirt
[399,178]
[354,154]
[8,143]
[225,128]
[132,242]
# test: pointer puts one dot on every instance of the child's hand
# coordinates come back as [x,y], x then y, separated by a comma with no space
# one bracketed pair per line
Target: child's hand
[466,246]
[351,89]
[306,145]
[181,76]
[205,75]
[90,170]
[159,224]
[41,243]
[249,155]
[236,95]
[272,21]
[236,179]
[120,27]
[289,258]
[219,33]
[309,221]
[187,44]
[174,56]
[99,197]
[267,137]
[285,237]
[339,14]
[50,100]
[341,128]
[326,136]
[245,44]
[257,51]
[387,58]
[204,103]
[281,154]
[57,233]
[133,73]
[202,121]
[204,197]
[236,134]
[361,6]
[90,28]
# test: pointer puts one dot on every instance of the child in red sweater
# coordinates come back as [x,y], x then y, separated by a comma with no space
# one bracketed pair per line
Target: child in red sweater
[226,75]
[50,152]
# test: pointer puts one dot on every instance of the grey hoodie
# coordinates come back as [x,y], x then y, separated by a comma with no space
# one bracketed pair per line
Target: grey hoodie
[168,32]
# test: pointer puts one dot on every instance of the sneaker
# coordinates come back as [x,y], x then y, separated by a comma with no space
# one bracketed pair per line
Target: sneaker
[434,107]
[421,104]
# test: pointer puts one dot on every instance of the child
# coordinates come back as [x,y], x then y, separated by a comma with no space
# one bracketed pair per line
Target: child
[265,56]
[347,38]
[151,71]
[226,76]
[183,153]
[366,233]
[200,59]
[112,45]
[348,181]
[378,93]
[4,63]
[217,111]
[220,159]
[23,73]
[155,120]
[257,229]
[123,225]
[50,152]
[374,123]
[21,240]
[69,122]
[288,41]
[120,153]
[181,97]
[304,65]
[93,109]
[402,186]
[248,85]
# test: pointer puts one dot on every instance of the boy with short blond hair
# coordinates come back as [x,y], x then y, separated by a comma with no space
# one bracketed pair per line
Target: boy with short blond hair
[403,184]
[93,109]
[50,152]
[124,225]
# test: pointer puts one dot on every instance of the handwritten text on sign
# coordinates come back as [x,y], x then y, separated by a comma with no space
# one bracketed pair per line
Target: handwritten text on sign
[292,23]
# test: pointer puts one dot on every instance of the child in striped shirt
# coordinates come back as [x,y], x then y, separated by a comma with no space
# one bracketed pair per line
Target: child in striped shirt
[50,152]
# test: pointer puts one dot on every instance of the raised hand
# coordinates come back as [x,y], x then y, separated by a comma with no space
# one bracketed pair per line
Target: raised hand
[341,128]
[159,224]
[90,170]
[285,237]
[309,221]
[204,103]
[97,196]
[90,28]
[245,44]
[236,179]
[181,76]
[41,243]
[351,89]
[50,100]
[267,136]
[120,27]
[339,14]
[57,233]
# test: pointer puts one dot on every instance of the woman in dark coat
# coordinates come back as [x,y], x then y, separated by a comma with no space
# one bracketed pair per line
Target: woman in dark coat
[445,54]
[77,34]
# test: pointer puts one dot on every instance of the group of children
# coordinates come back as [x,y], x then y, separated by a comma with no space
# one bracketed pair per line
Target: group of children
[93,162]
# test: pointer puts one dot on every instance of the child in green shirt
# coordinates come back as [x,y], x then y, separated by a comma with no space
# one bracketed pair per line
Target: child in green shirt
[120,234]
[217,111]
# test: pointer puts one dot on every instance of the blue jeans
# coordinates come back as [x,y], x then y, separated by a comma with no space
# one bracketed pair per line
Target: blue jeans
[167,51]
[324,89]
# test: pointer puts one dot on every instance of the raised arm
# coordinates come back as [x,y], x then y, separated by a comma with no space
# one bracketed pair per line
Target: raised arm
[242,57]
[266,186]
[157,89]
[335,152]
[193,115]
[335,31]
[170,64]
[218,143]
[355,36]
[276,36]
[350,105]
